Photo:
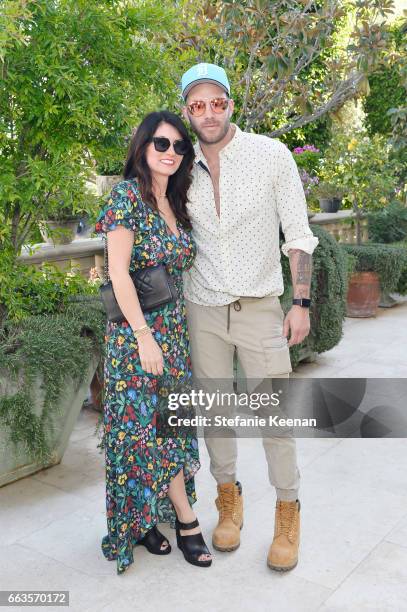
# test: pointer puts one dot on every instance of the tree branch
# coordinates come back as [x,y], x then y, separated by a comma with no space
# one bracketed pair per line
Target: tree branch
[346,91]
[248,77]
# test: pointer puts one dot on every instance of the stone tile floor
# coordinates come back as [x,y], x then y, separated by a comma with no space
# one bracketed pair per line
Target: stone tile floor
[353,554]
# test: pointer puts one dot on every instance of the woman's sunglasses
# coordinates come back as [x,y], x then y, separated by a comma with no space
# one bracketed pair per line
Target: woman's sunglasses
[218,105]
[162,144]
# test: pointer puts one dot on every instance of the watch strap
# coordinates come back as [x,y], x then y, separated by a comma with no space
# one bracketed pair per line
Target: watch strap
[304,302]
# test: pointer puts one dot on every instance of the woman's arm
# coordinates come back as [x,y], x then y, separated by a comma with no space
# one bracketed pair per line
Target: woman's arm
[119,247]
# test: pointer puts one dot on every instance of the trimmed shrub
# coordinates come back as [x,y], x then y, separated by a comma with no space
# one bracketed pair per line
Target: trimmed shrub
[329,287]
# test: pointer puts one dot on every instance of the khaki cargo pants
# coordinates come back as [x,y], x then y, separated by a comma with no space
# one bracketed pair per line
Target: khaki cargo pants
[254,326]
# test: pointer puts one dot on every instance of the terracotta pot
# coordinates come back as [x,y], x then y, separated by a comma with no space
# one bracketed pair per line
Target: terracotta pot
[363,294]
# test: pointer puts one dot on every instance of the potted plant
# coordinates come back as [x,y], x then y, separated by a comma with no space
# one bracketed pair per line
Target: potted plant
[329,196]
[43,382]
[362,166]
[378,269]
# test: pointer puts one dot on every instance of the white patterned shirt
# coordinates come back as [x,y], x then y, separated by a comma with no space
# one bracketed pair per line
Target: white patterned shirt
[238,253]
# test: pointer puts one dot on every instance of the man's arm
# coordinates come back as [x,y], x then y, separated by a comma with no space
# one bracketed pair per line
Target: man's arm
[297,321]
[299,240]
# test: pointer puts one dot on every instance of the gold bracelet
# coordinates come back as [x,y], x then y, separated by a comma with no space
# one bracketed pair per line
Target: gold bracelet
[141,331]
[141,328]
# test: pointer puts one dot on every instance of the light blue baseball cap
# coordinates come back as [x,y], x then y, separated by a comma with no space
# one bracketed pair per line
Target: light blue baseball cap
[204,73]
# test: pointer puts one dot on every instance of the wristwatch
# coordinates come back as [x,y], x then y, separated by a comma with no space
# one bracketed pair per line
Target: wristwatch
[304,302]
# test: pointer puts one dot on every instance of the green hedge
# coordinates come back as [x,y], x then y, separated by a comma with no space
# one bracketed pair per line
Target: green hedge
[328,294]
[389,224]
[402,283]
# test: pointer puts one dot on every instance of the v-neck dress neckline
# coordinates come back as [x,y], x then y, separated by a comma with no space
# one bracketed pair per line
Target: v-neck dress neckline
[168,230]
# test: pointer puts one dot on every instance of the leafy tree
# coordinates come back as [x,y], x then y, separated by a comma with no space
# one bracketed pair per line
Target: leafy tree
[362,166]
[75,77]
[11,13]
[386,89]
[274,52]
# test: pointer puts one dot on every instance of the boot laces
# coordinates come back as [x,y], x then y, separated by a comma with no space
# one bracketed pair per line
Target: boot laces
[286,518]
[227,503]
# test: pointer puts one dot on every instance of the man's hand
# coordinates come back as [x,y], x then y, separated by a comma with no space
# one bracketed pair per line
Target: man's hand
[297,322]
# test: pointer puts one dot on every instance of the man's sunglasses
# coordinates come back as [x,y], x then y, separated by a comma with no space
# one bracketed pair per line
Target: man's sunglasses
[162,144]
[218,105]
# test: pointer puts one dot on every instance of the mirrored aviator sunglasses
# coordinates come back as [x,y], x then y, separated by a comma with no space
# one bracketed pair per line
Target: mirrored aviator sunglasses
[162,144]
[218,105]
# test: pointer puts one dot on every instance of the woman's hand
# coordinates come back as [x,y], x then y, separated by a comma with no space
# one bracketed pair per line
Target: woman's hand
[151,356]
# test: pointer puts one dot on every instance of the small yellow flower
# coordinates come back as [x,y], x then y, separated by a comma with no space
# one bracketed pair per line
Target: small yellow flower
[165,347]
[130,458]
[121,435]
[120,385]
[123,527]
[159,441]
[352,144]
[130,367]
[149,466]
[383,200]
[119,214]
[122,479]
[120,340]
[170,246]
[154,486]
[115,362]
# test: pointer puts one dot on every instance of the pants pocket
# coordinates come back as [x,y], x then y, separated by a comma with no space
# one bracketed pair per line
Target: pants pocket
[277,356]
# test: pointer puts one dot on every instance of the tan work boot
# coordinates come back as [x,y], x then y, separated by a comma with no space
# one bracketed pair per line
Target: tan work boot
[283,552]
[229,503]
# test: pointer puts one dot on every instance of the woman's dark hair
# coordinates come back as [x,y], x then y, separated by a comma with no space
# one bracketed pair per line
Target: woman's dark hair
[136,165]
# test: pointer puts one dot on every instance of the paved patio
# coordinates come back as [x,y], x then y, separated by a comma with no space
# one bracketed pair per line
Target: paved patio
[353,554]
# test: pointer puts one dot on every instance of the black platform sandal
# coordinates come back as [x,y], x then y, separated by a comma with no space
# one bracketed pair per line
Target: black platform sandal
[192,546]
[153,540]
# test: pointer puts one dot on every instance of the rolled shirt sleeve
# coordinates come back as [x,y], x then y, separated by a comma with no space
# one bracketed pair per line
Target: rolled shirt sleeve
[292,206]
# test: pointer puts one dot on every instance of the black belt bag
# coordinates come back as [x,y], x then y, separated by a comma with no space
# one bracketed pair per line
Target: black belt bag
[154,285]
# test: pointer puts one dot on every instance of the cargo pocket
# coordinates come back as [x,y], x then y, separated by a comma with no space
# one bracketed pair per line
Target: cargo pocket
[277,356]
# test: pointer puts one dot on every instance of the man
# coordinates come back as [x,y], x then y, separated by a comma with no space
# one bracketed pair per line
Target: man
[243,185]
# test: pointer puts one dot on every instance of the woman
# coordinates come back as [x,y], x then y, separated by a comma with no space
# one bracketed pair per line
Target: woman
[148,478]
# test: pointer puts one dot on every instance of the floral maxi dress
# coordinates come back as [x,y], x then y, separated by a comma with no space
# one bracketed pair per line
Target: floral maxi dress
[140,465]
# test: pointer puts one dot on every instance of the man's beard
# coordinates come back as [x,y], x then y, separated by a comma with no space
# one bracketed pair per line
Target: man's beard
[214,140]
